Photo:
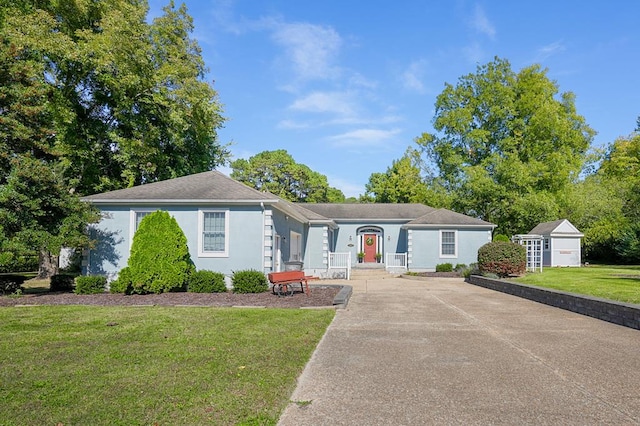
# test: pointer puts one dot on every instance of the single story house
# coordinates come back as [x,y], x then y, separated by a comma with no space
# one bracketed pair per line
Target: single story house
[230,226]
[561,243]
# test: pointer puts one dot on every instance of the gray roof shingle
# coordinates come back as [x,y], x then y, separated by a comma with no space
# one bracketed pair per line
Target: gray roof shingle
[215,187]
[210,186]
[379,211]
[448,217]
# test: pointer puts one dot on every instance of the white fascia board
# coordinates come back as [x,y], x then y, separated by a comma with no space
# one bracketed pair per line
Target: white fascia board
[448,225]
[327,222]
[177,202]
[565,235]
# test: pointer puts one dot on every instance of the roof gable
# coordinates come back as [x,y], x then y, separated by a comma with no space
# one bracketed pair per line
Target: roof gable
[556,227]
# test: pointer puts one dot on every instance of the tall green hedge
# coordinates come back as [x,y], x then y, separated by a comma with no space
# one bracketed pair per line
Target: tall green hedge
[160,260]
[502,258]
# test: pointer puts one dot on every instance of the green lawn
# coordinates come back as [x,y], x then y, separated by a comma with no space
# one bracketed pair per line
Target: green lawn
[621,283]
[79,365]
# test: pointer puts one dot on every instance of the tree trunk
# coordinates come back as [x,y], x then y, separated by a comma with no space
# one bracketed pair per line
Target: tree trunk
[48,265]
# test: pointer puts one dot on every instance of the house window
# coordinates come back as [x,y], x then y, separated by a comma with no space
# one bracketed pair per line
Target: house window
[213,233]
[295,246]
[138,219]
[546,244]
[448,244]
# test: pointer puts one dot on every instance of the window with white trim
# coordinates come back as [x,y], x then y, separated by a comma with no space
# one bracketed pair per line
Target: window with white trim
[213,233]
[448,243]
[139,215]
[295,246]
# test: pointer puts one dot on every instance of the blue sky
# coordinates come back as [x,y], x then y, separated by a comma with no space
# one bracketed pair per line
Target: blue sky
[346,86]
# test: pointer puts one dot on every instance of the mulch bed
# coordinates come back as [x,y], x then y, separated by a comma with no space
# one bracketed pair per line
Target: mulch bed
[439,274]
[320,296]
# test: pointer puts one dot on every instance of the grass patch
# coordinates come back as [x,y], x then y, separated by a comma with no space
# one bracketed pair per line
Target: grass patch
[620,283]
[152,365]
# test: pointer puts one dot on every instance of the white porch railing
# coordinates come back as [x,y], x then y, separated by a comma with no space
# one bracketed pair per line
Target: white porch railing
[395,260]
[341,261]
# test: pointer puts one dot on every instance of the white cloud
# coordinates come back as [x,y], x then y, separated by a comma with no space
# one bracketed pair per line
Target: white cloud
[292,124]
[312,49]
[364,137]
[481,23]
[550,49]
[349,189]
[412,77]
[325,102]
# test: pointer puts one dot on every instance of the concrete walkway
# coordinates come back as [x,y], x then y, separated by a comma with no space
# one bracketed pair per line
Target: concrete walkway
[440,351]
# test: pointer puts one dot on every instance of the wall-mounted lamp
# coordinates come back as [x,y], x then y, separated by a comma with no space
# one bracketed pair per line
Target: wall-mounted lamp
[284,239]
[286,218]
[388,237]
[350,238]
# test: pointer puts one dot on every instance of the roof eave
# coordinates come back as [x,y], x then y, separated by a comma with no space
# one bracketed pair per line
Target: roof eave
[174,202]
[448,225]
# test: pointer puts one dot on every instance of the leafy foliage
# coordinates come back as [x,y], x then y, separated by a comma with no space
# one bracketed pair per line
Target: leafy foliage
[501,237]
[508,146]
[502,258]
[444,267]
[404,182]
[249,281]
[123,283]
[204,281]
[278,173]
[160,259]
[90,284]
[93,98]
[11,283]
[61,282]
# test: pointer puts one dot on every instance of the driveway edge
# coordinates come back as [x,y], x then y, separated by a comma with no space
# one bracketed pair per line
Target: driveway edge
[625,314]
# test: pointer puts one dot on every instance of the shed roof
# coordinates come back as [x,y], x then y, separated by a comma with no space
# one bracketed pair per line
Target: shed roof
[556,227]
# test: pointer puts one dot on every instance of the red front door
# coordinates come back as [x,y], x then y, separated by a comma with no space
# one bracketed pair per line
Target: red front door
[370,247]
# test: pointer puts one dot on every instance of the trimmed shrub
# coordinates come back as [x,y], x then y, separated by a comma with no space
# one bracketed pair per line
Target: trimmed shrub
[10,284]
[123,283]
[61,282]
[249,281]
[444,267]
[10,262]
[160,261]
[472,269]
[207,282]
[502,258]
[501,238]
[460,267]
[90,285]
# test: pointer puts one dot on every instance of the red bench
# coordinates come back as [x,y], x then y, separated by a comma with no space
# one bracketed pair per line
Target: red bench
[282,281]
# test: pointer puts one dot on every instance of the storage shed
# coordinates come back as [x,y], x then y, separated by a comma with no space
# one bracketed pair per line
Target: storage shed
[561,244]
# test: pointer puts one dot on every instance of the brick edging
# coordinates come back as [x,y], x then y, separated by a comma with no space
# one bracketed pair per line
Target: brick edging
[624,314]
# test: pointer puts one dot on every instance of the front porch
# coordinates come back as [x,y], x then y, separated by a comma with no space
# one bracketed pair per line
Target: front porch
[341,264]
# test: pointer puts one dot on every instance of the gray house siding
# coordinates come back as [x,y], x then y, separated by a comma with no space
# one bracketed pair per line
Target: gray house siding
[425,247]
[245,231]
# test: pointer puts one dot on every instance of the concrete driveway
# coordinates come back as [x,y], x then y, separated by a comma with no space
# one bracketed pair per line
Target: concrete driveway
[440,351]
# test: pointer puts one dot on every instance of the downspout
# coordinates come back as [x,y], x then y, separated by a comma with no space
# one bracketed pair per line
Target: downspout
[263,235]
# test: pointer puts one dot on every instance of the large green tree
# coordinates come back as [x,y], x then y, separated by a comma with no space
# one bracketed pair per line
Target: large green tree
[278,173]
[404,182]
[95,98]
[508,145]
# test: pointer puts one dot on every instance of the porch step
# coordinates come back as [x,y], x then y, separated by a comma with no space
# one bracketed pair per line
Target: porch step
[377,273]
